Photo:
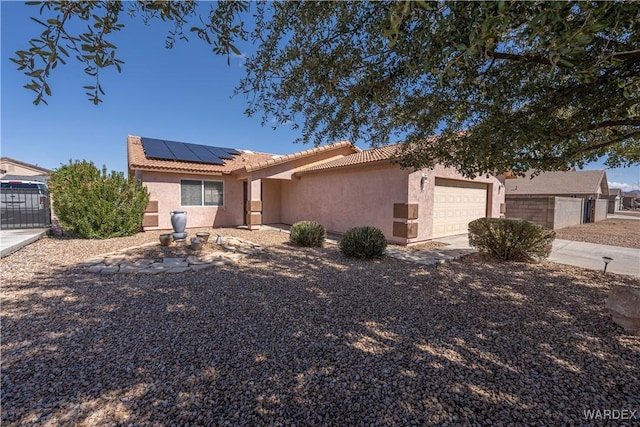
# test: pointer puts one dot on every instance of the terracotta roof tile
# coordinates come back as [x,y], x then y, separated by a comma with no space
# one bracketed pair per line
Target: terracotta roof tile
[379,154]
[138,160]
[388,152]
[282,159]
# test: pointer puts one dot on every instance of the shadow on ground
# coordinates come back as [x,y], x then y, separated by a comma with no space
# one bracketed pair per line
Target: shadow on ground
[305,336]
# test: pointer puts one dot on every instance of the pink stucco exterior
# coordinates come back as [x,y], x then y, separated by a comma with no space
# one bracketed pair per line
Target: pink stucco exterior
[346,198]
[165,188]
[338,197]
[425,200]
[365,194]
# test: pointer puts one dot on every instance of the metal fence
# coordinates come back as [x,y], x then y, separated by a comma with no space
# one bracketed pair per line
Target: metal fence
[24,208]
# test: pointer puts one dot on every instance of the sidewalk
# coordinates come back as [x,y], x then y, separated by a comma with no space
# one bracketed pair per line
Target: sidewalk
[12,240]
[579,254]
[589,255]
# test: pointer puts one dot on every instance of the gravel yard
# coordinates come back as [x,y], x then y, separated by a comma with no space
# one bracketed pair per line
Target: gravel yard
[306,337]
[615,232]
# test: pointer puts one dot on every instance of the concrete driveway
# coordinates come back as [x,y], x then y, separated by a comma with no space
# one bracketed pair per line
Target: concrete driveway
[579,254]
[12,240]
[589,255]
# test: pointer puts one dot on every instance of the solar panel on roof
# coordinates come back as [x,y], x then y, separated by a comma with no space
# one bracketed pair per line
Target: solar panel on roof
[223,153]
[174,150]
[155,148]
[205,155]
[181,152]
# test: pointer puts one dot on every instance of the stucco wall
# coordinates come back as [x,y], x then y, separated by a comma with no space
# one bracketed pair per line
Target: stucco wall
[359,196]
[567,211]
[425,199]
[601,209]
[271,201]
[165,188]
[346,198]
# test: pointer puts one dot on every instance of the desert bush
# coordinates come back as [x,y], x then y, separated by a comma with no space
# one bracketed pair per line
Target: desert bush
[363,242]
[92,204]
[511,239]
[308,233]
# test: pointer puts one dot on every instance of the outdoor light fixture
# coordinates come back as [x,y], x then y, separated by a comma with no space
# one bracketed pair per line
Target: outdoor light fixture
[423,180]
[607,260]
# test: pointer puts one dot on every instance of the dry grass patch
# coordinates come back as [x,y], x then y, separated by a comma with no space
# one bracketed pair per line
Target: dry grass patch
[614,232]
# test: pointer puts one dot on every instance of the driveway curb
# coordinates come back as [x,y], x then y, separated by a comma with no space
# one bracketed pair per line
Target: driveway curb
[14,243]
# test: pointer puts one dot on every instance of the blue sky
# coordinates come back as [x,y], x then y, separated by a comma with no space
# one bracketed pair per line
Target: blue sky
[183,94]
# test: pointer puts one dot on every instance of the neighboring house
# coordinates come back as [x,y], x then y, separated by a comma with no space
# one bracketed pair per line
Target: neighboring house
[615,200]
[337,185]
[631,200]
[558,199]
[11,168]
[581,184]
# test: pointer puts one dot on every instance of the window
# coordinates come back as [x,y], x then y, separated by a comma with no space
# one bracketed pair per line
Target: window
[201,193]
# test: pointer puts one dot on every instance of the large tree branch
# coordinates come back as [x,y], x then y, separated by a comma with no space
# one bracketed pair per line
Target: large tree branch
[537,59]
[604,124]
[614,123]
[605,144]
[631,55]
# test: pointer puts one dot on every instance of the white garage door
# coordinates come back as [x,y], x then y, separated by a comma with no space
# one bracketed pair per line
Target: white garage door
[456,204]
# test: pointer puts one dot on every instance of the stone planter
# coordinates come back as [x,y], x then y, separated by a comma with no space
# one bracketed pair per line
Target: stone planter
[204,236]
[166,239]
[197,243]
[179,223]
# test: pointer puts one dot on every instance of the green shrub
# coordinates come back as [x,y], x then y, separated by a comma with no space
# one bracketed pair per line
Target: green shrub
[308,233]
[363,242]
[511,239]
[92,204]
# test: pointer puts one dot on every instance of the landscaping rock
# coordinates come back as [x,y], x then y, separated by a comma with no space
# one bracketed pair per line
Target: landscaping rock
[623,303]
[178,269]
[96,268]
[198,267]
[194,260]
[112,269]
[124,268]
[212,256]
[124,261]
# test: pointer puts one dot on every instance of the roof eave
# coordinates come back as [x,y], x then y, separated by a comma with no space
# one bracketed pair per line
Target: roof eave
[146,168]
[373,163]
[300,155]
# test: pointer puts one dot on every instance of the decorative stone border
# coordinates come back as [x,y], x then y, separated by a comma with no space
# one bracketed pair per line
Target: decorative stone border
[235,249]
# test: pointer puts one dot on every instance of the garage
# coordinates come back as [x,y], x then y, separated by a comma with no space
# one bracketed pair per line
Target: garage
[456,204]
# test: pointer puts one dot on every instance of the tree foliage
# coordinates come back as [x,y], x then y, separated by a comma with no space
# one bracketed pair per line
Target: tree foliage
[505,85]
[95,205]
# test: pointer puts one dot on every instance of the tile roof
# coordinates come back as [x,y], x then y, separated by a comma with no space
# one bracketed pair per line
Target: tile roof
[388,152]
[138,160]
[300,154]
[247,160]
[570,182]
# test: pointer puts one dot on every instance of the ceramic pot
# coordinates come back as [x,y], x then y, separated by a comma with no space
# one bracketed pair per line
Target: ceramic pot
[196,243]
[166,239]
[203,235]
[178,221]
